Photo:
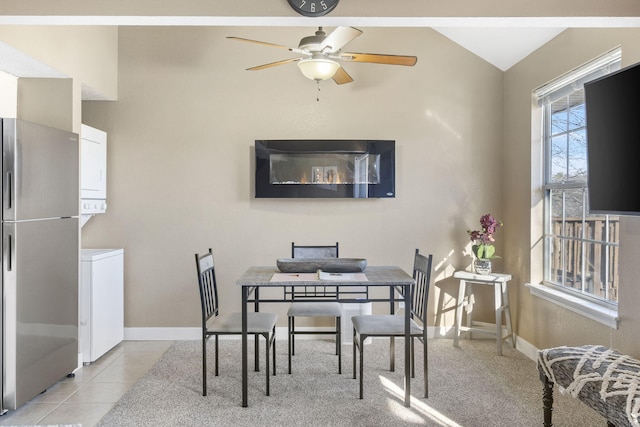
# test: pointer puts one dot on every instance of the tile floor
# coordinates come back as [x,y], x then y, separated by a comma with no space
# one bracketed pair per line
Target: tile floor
[96,387]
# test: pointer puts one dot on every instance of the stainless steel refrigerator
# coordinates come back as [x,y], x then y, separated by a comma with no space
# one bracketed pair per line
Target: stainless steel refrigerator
[40,258]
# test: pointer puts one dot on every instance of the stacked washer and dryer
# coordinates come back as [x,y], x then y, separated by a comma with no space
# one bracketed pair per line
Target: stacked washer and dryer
[102,270]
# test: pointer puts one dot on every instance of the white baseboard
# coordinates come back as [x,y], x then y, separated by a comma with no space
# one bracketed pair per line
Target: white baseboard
[188,334]
[526,348]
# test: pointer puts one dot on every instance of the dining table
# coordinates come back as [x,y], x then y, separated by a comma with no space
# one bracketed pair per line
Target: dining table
[341,287]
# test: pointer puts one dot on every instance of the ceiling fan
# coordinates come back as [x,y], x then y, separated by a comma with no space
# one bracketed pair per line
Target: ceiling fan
[321,52]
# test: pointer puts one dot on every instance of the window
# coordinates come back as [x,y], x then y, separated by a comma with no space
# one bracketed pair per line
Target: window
[580,249]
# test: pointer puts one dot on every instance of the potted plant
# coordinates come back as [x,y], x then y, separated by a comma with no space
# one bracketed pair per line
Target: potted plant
[483,240]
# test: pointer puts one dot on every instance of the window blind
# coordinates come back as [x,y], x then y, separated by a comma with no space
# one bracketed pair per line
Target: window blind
[576,78]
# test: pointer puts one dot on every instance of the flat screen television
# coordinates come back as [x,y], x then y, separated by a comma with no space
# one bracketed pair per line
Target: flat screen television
[613,137]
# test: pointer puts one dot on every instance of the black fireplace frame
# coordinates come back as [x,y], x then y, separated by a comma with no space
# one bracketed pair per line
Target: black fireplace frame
[264,149]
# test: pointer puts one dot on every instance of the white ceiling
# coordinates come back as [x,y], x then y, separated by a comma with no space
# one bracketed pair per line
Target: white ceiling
[502,47]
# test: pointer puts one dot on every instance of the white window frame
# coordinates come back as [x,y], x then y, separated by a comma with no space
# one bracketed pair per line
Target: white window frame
[594,308]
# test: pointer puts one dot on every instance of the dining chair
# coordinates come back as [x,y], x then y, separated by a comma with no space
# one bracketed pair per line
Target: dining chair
[314,309]
[391,325]
[214,324]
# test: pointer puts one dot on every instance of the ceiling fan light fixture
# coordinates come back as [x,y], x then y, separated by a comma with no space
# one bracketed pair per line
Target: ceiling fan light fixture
[318,68]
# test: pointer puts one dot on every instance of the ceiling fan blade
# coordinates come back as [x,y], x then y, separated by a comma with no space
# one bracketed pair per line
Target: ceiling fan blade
[258,42]
[377,58]
[341,77]
[273,64]
[339,38]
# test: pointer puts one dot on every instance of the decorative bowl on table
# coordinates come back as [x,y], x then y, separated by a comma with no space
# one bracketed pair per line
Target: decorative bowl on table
[330,265]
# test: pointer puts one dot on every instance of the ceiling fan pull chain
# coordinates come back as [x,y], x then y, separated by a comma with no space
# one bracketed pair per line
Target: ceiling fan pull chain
[318,95]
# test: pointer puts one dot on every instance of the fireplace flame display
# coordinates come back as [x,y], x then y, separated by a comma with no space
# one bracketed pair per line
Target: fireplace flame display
[351,168]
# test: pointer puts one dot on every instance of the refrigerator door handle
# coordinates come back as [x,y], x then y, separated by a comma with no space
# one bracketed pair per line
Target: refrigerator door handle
[9,189]
[9,252]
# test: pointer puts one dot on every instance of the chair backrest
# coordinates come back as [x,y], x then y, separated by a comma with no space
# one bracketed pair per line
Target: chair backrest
[298,251]
[316,291]
[208,287]
[422,278]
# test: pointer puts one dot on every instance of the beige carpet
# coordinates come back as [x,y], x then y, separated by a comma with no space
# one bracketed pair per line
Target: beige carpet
[469,386]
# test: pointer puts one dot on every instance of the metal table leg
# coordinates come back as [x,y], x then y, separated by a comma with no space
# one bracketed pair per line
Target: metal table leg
[407,345]
[244,348]
[392,341]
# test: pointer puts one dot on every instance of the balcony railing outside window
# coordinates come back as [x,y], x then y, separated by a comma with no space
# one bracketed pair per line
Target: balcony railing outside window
[584,255]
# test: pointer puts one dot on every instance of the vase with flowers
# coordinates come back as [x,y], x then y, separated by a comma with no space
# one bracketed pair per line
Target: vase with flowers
[483,240]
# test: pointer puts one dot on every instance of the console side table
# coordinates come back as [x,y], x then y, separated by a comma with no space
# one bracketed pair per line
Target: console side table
[501,304]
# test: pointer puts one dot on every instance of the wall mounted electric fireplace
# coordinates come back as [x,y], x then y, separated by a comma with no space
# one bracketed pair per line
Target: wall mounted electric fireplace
[325,168]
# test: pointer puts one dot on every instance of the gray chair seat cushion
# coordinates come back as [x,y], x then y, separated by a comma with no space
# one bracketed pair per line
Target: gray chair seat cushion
[383,325]
[315,309]
[257,323]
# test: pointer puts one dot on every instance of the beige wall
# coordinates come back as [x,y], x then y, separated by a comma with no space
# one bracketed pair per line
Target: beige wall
[46,101]
[539,322]
[88,54]
[351,8]
[180,158]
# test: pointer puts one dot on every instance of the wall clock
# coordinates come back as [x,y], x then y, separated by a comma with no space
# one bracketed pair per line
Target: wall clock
[313,7]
